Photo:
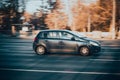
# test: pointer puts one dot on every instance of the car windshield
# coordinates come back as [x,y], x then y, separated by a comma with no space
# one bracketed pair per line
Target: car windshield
[79,34]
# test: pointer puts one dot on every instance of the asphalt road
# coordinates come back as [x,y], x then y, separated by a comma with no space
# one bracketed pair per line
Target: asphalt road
[19,62]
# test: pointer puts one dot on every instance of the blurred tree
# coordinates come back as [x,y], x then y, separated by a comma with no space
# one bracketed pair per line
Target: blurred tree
[9,9]
[9,6]
[118,15]
[58,5]
[57,19]
[80,16]
[101,15]
[10,14]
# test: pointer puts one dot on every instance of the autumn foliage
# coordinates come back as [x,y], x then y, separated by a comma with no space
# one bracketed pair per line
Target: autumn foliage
[98,15]
[57,19]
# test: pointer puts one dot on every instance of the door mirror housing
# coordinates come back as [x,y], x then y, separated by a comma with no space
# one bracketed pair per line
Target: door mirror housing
[73,38]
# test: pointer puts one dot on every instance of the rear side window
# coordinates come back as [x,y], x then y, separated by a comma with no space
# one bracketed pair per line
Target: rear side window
[49,35]
[43,35]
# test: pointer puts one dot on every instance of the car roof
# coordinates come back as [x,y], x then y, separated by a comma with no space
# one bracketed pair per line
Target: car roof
[73,32]
[53,30]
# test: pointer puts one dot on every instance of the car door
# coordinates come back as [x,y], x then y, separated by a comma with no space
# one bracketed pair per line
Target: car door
[67,44]
[52,41]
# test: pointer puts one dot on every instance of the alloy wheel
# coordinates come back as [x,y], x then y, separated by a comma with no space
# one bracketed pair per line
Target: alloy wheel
[40,50]
[84,51]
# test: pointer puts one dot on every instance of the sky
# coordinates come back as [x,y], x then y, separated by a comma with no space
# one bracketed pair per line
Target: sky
[87,2]
[33,5]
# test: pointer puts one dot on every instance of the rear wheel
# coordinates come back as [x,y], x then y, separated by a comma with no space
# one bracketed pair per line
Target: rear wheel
[84,51]
[40,50]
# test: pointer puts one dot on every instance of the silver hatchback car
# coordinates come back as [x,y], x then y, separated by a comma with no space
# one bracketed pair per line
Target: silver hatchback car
[64,41]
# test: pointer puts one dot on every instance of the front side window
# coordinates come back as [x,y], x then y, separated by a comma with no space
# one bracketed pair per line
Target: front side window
[66,35]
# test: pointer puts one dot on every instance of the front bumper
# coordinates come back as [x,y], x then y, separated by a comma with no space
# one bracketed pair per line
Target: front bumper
[96,49]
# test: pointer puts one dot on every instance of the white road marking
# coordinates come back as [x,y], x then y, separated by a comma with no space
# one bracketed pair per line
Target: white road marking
[61,72]
[110,60]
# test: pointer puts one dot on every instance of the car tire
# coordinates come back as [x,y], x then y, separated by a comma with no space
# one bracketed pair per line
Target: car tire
[40,50]
[84,51]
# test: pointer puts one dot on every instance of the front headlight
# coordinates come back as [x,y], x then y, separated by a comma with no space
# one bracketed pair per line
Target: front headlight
[94,43]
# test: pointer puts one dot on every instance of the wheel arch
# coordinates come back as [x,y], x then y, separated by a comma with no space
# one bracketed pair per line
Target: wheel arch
[84,46]
[41,45]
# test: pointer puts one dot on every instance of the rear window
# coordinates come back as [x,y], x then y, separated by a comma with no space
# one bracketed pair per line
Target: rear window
[42,35]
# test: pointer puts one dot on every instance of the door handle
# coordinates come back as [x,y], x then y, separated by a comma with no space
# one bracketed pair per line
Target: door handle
[61,43]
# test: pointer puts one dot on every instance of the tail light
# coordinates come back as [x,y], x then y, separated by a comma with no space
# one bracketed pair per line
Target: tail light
[35,39]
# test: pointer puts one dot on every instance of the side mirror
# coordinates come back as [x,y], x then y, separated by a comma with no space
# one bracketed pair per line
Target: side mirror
[73,39]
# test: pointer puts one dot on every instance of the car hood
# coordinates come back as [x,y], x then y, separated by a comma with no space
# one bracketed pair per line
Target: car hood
[89,39]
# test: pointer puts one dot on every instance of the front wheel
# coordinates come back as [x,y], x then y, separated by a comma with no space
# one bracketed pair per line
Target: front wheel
[40,50]
[84,51]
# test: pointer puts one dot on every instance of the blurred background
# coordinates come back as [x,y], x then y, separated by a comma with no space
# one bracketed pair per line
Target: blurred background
[86,16]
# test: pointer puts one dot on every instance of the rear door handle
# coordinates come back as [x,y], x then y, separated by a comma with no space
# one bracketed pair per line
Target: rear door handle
[61,43]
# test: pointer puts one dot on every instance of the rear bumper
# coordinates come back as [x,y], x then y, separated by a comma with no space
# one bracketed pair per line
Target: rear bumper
[34,46]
